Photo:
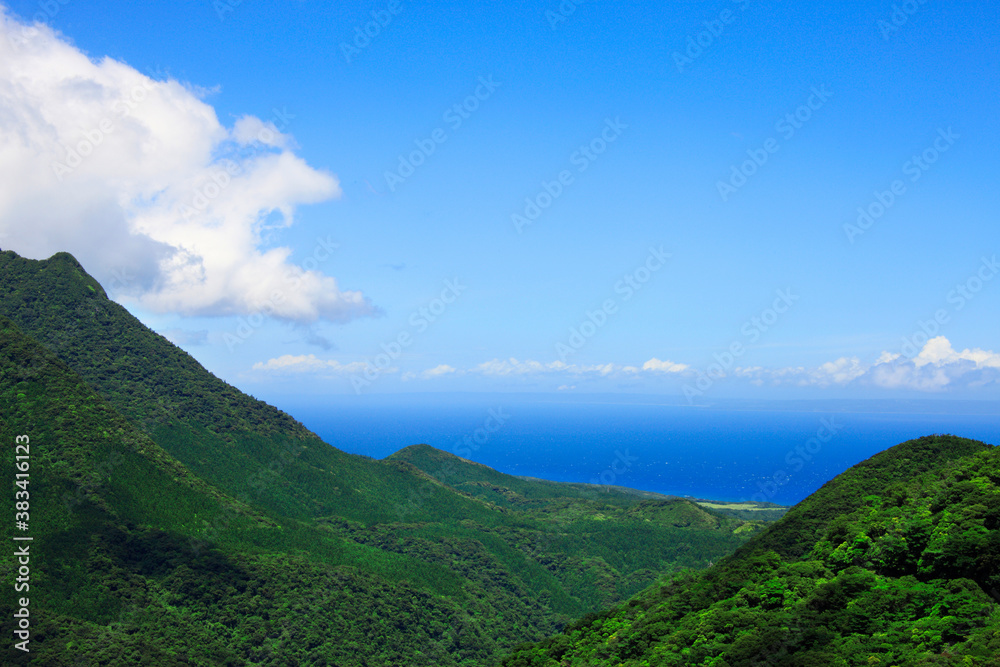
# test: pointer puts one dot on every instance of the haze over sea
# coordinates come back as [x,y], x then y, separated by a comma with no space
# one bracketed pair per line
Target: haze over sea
[732,450]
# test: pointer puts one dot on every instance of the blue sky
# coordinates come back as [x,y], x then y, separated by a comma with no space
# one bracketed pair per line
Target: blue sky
[525,197]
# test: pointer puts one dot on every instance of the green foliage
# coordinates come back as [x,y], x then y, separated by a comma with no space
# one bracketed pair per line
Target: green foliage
[507,490]
[145,377]
[904,572]
[178,521]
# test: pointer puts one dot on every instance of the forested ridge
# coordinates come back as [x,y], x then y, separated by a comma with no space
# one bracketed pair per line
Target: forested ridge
[179,521]
[894,562]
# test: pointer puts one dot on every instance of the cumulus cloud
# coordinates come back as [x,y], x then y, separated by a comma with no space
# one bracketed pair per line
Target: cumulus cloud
[655,364]
[841,371]
[310,364]
[436,372]
[936,367]
[443,369]
[938,351]
[138,179]
[250,129]
[514,367]
[907,375]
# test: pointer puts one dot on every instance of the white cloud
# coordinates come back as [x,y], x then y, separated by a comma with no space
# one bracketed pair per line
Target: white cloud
[907,375]
[841,371]
[311,364]
[655,364]
[512,366]
[938,351]
[443,369]
[130,174]
[887,357]
[250,129]
[430,373]
[935,368]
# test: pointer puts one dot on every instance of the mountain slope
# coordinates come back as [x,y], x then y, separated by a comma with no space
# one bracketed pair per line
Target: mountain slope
[191,413]
[176,512]
[802,524]
[503,489]
[528,492]
[617,537]
[119,569]
[894,562]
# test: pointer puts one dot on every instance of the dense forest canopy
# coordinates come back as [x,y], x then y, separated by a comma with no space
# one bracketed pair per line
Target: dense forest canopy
[894,562]
[177,520]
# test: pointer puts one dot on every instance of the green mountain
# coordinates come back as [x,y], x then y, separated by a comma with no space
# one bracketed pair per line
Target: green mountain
[894,562]
[508,490]
[176,520]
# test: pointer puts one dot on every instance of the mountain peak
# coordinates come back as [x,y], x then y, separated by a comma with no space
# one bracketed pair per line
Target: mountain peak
[795,533]
[61,270]
[921,454]
[412,453]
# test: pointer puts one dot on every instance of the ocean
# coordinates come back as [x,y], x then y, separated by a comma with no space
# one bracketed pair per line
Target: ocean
[767,451]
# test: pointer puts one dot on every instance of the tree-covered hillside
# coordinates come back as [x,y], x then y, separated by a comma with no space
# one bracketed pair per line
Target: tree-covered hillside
[179,521]
[894,562]
[124,572]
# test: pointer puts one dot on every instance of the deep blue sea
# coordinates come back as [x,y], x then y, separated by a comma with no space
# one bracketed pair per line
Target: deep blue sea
[780,452]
